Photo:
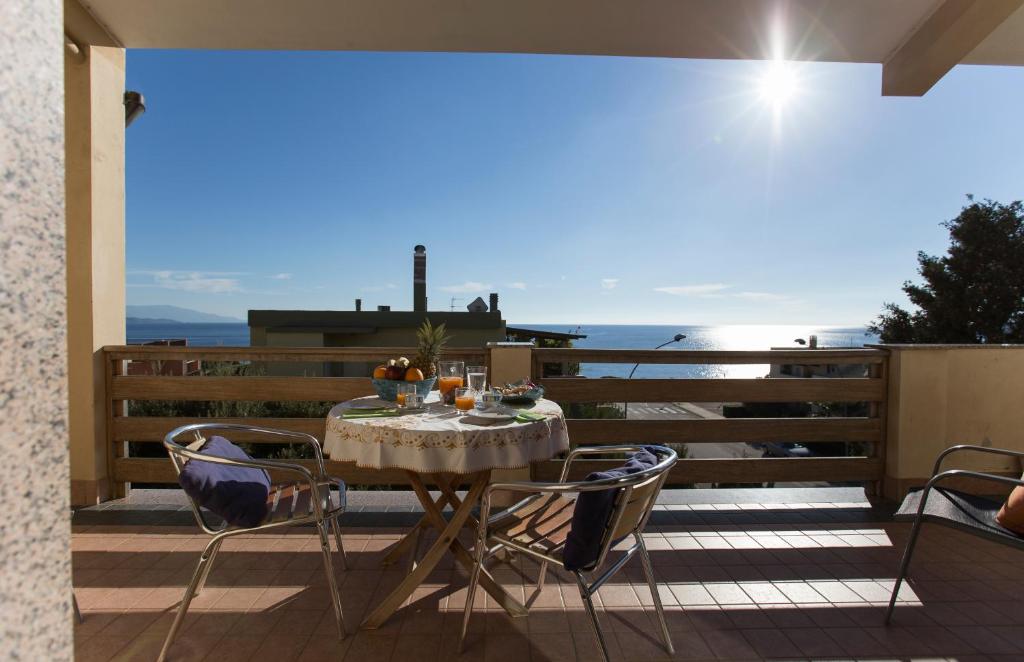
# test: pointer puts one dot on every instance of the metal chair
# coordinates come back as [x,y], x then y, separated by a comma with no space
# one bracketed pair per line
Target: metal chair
[307,500]
[538,525]
[966,512]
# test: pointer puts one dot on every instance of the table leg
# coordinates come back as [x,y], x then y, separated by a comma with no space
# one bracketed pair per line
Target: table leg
[487,582]
[413,537]
[448,535]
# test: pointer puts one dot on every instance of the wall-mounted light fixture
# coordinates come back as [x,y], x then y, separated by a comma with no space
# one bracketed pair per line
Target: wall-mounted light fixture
[134,105]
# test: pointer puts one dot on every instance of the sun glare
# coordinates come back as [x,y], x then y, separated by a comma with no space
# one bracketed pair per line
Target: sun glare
[778,84]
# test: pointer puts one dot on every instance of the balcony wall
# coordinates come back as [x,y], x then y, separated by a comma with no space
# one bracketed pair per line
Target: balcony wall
[942,395]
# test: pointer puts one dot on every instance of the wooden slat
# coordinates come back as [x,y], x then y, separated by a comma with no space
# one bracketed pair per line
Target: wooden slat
[749,430]
[716,357]
[334,389]
[153,428]
[747,470]
[277,354]
[160,470]
[574,389]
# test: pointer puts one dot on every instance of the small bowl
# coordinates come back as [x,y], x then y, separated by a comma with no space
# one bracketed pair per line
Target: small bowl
[387,389]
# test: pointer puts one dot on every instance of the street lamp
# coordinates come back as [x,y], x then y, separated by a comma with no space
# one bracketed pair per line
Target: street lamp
[676,338]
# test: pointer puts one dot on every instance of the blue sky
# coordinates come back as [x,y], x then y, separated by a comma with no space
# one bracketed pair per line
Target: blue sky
[584,190]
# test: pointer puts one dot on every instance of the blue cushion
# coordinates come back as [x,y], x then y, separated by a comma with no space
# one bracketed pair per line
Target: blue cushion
[238,494]
[593,509]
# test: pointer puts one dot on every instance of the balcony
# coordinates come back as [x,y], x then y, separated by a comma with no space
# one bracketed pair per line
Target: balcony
[799,572]
[744,574]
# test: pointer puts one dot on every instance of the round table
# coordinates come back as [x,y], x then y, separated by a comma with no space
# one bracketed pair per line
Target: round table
[440,439]
[442,447]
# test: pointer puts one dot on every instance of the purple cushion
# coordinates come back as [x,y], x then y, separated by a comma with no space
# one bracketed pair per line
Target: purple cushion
[592,511]
[238,494]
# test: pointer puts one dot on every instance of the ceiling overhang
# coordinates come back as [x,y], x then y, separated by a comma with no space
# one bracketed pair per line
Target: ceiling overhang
[917,41]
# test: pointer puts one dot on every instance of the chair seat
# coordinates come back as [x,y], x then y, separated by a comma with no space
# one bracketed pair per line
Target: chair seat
[967,512]
[289,501]
[541,523]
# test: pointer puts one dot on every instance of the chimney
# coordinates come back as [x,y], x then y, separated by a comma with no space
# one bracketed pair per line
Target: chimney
[359,305]
[494,302]
[419,279]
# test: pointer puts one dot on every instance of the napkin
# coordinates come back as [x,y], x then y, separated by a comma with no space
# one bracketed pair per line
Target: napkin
[370,413]
[529,417]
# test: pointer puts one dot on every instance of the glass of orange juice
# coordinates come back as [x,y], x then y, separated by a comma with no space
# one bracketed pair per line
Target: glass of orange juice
[465,399]
[449,378]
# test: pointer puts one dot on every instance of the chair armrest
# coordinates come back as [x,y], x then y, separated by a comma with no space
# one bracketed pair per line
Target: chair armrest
[594,450]
[974,448]
[980,475]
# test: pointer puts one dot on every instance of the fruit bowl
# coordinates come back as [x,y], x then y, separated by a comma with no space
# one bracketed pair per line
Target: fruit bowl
[387,389]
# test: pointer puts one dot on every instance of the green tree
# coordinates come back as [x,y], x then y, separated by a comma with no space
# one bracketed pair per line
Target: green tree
[972,294]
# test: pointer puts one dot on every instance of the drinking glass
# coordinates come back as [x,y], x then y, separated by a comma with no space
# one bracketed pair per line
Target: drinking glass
[465,399]
[449,378]
[406,395]
[476,377]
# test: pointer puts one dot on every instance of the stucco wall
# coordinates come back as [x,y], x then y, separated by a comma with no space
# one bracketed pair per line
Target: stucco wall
[35,563]
[94,128]
[941,396]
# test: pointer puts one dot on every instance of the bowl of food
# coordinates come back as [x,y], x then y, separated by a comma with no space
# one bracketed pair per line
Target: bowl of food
[388,376]
[521,392]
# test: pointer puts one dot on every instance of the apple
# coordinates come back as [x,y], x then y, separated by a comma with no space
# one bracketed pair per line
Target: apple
[394,372]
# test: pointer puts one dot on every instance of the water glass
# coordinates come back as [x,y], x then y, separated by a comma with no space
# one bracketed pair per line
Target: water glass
[476,377]
[407,396]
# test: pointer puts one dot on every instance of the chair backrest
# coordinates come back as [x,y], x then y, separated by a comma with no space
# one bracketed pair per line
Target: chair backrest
[198,432]
[636,497]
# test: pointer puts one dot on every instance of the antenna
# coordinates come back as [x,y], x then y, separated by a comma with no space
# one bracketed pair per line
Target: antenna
[452,307]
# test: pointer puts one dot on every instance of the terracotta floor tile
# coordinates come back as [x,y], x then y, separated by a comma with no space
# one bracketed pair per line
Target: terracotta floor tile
[728,644]
[417,648]
[99,648]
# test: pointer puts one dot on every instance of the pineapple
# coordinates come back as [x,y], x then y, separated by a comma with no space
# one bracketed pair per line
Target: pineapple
[430,341]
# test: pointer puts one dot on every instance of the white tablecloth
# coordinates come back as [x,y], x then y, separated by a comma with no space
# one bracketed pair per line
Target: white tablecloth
[438,440]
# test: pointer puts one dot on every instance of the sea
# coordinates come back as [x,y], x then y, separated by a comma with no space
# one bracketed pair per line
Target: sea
[604,336]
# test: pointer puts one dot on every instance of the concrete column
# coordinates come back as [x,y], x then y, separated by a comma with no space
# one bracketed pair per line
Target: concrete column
[944,395]
[35,555]
[94,123]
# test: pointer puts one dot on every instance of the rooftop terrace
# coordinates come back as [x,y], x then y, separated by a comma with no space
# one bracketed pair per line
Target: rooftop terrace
[744,574]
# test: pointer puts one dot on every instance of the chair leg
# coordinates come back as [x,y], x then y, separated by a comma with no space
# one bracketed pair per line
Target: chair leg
[585,594]
[336,528]
[74,606]
[474,580]
[208,568]
[645,560]
[190,591]
[904,564]
[332,582]
[541,576]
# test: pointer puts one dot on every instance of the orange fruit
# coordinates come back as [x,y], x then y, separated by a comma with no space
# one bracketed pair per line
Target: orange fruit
[414,375]
[378,372]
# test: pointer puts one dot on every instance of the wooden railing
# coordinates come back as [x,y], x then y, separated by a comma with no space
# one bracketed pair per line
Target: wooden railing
[122,388]
[868,430]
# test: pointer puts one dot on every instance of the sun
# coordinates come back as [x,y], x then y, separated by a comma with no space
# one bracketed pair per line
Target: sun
[778,84]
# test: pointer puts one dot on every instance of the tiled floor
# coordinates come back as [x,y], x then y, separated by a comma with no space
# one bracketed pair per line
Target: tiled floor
[740,581]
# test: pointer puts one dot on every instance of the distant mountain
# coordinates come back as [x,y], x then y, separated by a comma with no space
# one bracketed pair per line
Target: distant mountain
[165,314]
